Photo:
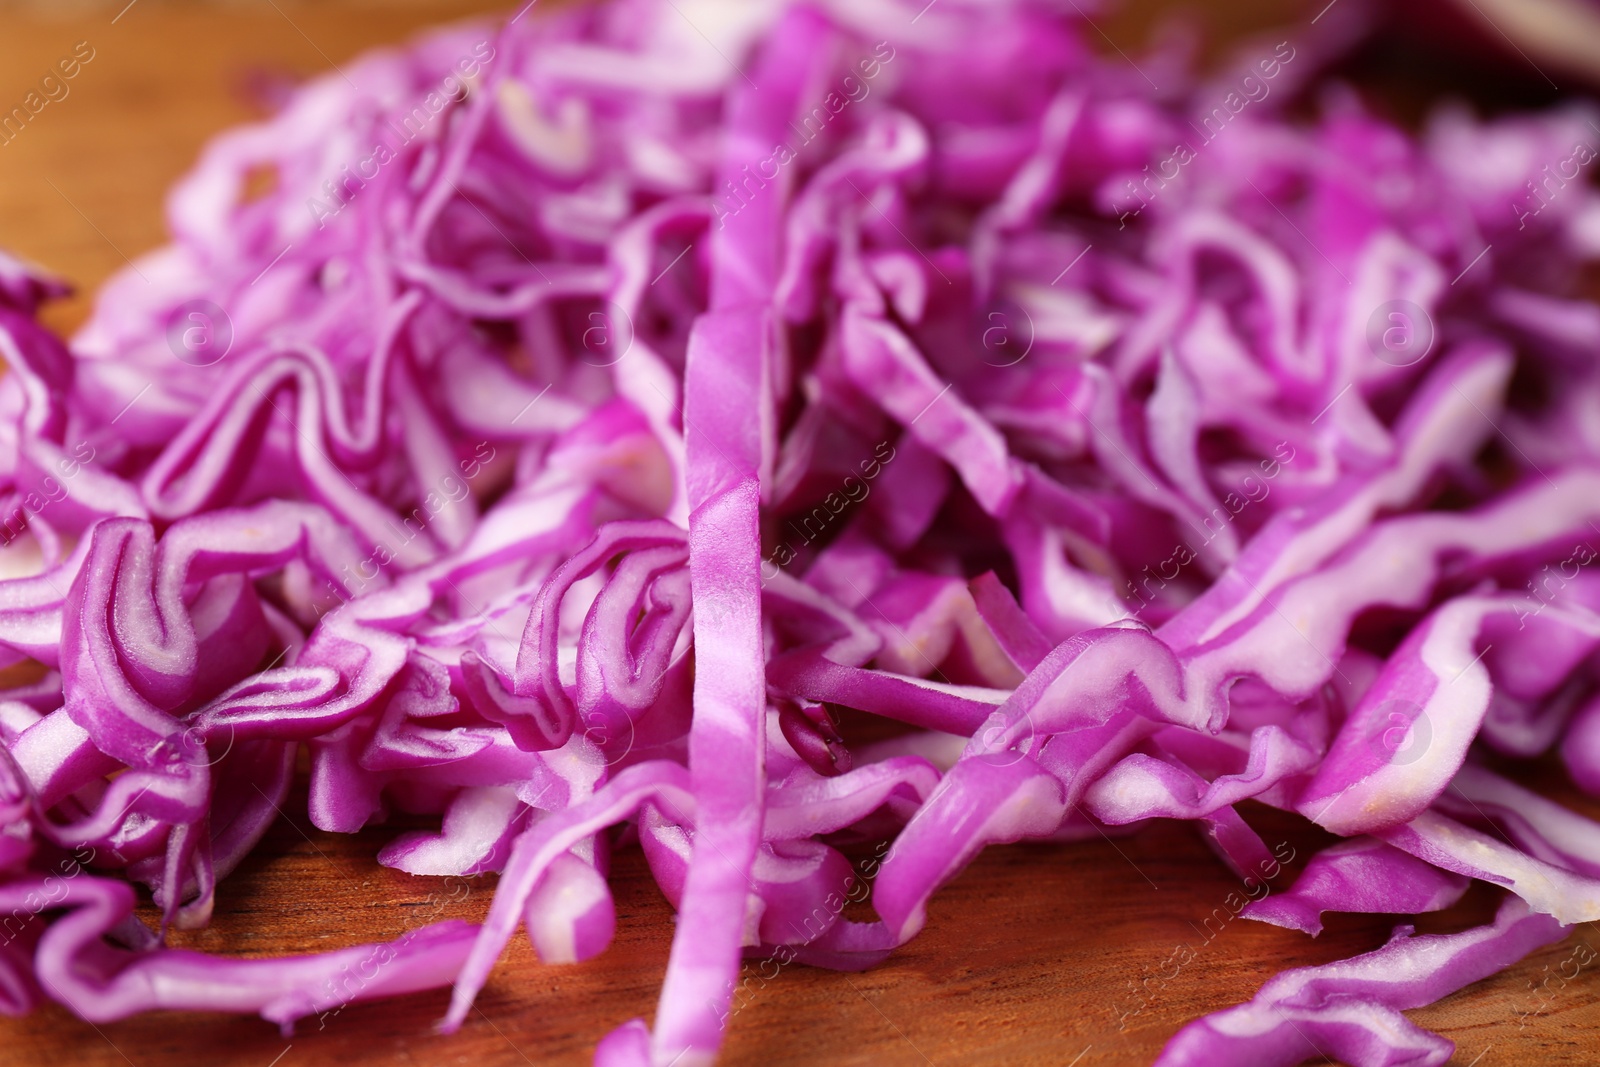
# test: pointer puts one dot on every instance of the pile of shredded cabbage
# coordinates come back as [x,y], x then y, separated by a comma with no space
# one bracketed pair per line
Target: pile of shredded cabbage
[609,418]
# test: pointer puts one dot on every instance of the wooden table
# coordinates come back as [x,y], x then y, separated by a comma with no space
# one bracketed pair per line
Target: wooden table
[1028,957]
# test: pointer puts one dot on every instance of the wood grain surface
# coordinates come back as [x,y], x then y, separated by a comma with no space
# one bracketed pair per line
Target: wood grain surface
[1030,957]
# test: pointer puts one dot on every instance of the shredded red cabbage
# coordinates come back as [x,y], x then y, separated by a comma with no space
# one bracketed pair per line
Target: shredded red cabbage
[601,416]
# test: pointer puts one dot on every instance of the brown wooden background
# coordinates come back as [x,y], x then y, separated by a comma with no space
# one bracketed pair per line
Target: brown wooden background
[1028,957]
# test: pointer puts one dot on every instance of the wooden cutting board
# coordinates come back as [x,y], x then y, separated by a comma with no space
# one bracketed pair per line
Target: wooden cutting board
[1030,957]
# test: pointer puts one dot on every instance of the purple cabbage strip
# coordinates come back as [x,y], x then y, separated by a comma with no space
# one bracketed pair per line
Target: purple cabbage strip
[1359,875]
[1350,1010]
